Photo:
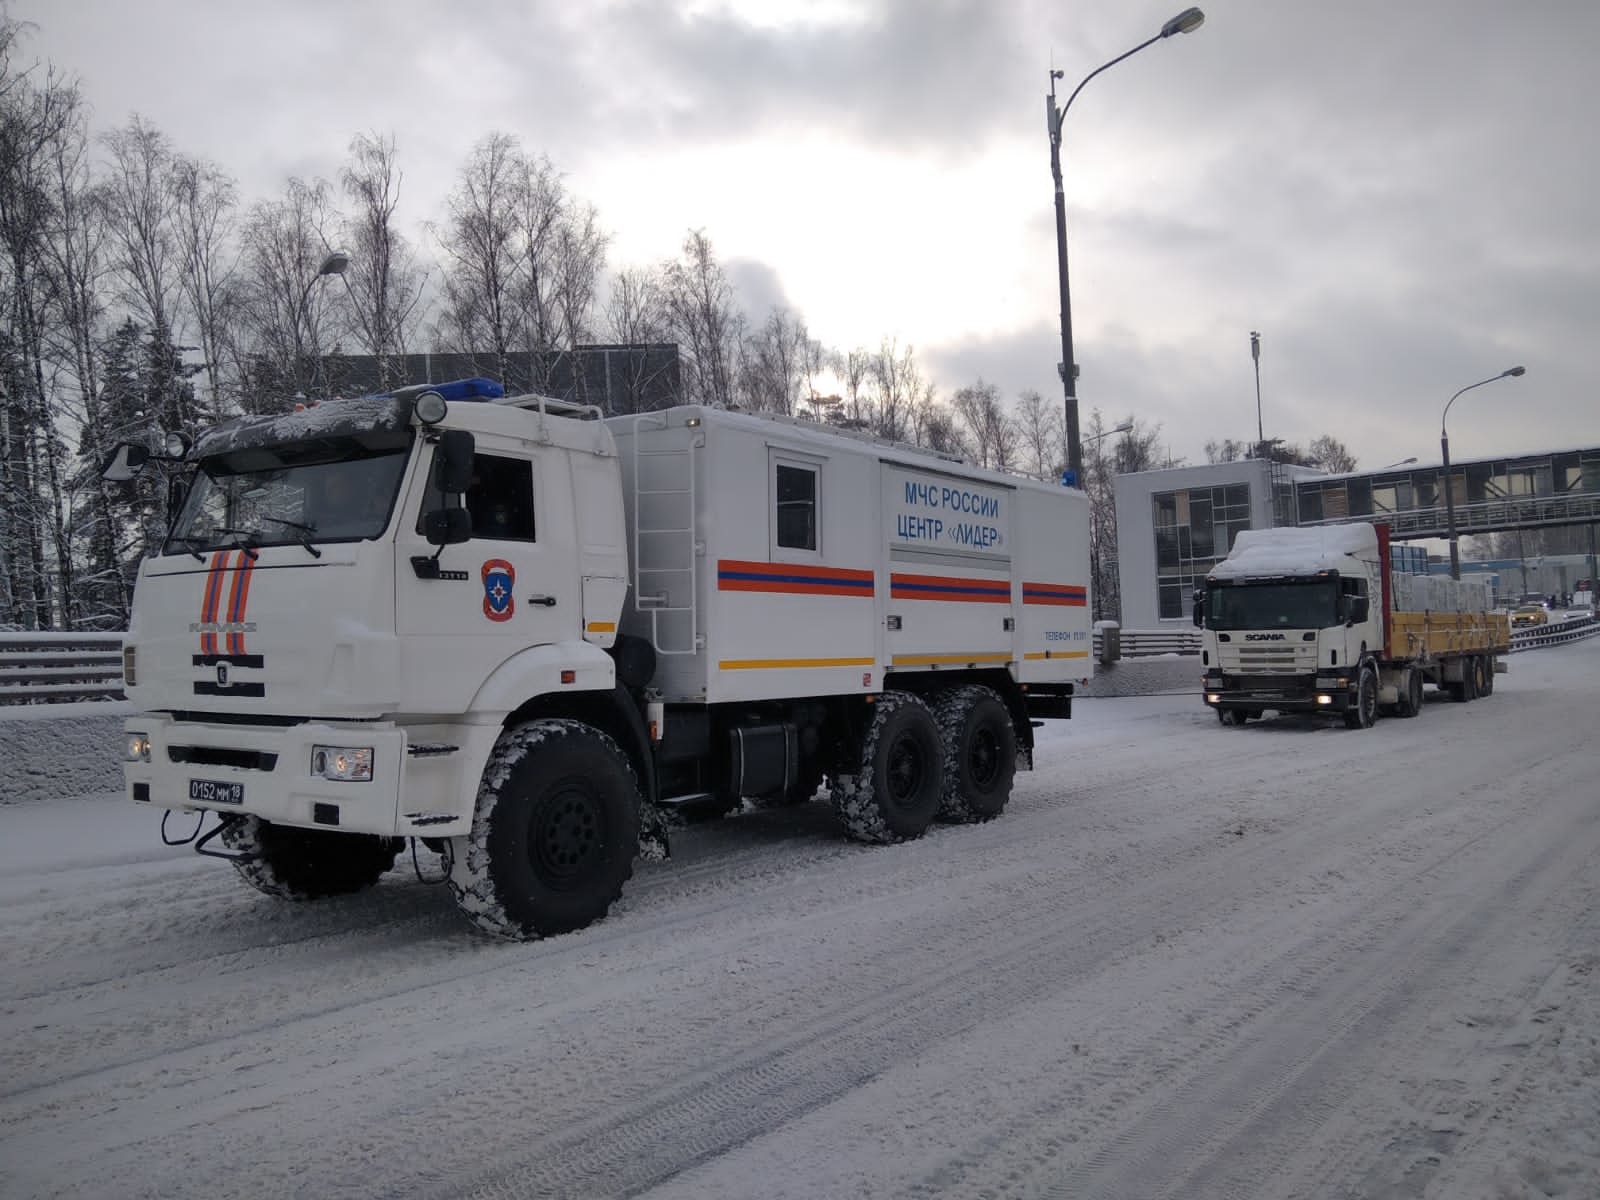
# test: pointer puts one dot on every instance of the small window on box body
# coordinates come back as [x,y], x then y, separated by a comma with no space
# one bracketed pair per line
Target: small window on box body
[795,513]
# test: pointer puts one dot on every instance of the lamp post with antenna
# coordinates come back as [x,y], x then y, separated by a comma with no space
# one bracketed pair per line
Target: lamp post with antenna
[1187,21]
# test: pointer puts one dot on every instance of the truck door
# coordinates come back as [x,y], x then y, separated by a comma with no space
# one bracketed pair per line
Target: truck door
[515,580]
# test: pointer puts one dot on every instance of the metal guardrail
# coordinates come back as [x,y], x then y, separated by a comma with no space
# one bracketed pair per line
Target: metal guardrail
[42,668]
[1555,633]
[54,667]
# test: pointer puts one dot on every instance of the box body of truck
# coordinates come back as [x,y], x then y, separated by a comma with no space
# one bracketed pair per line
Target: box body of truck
[1315,620]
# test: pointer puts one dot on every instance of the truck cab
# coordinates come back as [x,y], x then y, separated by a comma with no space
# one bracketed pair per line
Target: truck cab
[352,599]
[1287,640]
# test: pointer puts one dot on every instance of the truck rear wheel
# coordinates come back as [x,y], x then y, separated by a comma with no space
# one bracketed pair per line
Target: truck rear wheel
[980,753]
[307,864]
[895,792]
[1483,674]
[554,834]
[1410,702]
[1363,714]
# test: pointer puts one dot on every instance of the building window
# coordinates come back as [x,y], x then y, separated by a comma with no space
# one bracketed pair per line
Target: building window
[1194,530]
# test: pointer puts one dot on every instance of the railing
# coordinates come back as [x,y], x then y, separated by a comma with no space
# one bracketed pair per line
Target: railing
[1142,643]
[42,668]
[1555,633]
[46,667]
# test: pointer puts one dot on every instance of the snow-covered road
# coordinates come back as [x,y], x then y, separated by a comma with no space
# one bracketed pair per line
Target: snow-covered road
[1190,961]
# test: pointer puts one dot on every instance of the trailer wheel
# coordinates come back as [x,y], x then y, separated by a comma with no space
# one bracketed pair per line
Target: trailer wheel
[554,834]
[307,864]
[1467,689]
[980,753]
[1482,675]
[1232,716]
[1364,713]
[894,794]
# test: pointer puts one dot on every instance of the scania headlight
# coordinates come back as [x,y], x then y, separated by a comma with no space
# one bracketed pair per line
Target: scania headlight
[347,764]
[136,747]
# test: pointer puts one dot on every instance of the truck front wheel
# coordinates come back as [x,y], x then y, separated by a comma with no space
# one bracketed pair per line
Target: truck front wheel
[307,864]
[1363,713]
[554,834]
[894,794]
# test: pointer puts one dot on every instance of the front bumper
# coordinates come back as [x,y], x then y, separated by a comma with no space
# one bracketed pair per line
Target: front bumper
[1290,693]
[424,779]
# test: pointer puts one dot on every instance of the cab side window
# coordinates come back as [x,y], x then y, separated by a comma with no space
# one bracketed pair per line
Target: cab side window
[500,499]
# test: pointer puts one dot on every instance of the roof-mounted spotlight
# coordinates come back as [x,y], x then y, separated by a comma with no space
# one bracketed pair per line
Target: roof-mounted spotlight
[430,408]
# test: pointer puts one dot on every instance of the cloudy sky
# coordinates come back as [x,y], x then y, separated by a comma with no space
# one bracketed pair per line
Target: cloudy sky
[1397,193]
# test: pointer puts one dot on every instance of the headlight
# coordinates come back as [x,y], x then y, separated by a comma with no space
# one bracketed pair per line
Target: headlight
[1324,699]
[348,764]
[136,747]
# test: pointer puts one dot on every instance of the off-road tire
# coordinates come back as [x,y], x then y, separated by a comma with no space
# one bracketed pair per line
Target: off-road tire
[894,793]
[980,753]
[1364,713]
[291,863]
[554,834]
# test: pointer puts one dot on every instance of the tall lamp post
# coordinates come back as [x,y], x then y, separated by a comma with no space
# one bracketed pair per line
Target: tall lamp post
[334,264]
[1186,21]
[1255,355]
[1444,449]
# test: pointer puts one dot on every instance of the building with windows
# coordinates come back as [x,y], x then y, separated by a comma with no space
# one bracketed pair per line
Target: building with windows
[1174,525]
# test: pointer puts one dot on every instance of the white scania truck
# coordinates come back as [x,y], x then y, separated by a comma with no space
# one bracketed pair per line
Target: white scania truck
[512,629]
[1316,620]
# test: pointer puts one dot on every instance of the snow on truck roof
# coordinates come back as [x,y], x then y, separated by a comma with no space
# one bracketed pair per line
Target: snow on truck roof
[1258,552]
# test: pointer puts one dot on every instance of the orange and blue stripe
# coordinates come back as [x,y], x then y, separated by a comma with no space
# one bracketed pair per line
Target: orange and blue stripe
[211,600]
[1055,593]
[801,579]
[239,599]
[962,589]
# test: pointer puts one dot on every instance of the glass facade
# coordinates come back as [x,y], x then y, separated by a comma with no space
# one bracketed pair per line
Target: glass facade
[1194,530]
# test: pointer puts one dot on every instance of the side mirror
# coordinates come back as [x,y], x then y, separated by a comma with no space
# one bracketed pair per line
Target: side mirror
[1199,608]
[447,526]
[452,462]
[124,463]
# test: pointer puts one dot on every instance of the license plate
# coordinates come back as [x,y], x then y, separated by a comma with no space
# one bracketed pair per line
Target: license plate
[212,792]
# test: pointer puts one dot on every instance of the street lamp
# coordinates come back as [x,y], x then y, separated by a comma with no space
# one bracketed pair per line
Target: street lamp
[1125,427]
[334,264]
[1404,462]
[1188,20]
[1444,449]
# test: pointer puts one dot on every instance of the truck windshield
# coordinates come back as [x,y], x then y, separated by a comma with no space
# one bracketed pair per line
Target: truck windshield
[331,490]
[1308,604]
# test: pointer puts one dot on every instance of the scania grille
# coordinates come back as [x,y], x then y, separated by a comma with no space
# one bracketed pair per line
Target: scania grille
[1275,659]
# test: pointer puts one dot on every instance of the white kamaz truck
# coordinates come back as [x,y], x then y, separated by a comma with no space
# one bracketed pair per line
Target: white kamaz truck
[512,629]
[1316,620]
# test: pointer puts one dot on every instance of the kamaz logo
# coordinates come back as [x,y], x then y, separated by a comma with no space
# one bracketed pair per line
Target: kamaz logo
[1266,637]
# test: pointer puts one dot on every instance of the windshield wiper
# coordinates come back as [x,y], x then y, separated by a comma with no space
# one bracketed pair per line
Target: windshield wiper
[306,530]
[246,545]
[188,539]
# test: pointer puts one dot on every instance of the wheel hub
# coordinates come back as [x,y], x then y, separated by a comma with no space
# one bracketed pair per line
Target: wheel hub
[566,836]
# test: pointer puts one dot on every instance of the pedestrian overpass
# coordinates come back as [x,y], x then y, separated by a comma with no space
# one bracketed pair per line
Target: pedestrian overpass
[1534,491]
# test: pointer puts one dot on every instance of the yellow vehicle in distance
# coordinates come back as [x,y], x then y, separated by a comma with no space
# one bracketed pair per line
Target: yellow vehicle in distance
[1529,614]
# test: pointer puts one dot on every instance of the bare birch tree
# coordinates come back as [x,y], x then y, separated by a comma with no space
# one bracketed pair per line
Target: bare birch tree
[385,284]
